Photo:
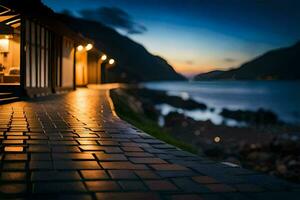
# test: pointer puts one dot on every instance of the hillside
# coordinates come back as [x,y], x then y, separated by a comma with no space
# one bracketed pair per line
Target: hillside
[134,62]
[279,64]
[208,75]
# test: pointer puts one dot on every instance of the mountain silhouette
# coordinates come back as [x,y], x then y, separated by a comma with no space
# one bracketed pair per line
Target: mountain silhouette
[278,64]
[134,62]
[208,75]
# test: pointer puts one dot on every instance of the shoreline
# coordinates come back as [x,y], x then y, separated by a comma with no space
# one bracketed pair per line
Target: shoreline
[251,147]
[279,97]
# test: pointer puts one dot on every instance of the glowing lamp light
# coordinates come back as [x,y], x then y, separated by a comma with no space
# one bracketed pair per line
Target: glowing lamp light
[217,139]
[4,45]
[103,57]
[111,61]
[88,47]
[80,48]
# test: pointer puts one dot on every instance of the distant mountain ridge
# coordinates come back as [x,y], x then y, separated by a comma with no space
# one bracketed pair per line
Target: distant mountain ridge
[208,75]
[278,64]
[134,62]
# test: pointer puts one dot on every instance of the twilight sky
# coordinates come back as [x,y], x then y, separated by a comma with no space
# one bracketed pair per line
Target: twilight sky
[197,35]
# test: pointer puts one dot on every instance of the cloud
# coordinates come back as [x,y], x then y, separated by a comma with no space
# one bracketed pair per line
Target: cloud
[114,17]
[229,60]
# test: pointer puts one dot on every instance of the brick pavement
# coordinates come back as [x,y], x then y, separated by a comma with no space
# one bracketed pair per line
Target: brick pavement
[72,146]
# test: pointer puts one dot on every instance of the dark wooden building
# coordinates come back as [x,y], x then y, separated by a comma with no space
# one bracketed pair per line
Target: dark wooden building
[38,53]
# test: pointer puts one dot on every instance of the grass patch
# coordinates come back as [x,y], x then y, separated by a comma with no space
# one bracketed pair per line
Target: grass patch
[144,123]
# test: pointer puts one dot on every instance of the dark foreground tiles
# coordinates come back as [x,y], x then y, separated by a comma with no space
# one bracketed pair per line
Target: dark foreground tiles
[122,165]
[12,188]
[58,187]
[128,195]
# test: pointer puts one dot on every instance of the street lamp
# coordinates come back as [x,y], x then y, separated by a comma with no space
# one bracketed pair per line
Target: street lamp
[88,47]
[111,61]
[103,57]
[80,48]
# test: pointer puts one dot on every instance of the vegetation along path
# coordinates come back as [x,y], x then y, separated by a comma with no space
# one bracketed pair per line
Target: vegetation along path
[73,146]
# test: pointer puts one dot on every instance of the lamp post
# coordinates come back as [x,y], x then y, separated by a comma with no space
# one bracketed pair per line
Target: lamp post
[108,65]
[104,67]
[81,63]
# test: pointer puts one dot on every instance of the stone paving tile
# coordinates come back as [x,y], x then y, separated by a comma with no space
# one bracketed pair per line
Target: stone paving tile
[275,195]
[248,188]
[132,185]
[204,179]
[148,160]
[138,154]
[97,186]
[55,176]
[72,146]
[73,156]
[69,165]
[13,149]
[40,156]
[220,188]
[108,143]
[75,197]
[12,176]
[128,195]
[13,166]
[12,188]
[186,197]
[122,174]
[160,185]
[107,149]
[146,174]
[39,148]
[16,157]
[132,149]
[94,174]
[110,157]
[40,165]
[58,187]
[168,167]
[175,173]
[188,185]
[122,165]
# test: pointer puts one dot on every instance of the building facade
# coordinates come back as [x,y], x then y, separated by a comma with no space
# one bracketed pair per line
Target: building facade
[38,54]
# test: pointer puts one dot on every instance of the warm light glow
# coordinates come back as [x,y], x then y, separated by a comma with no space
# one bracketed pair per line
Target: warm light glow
[80,48]
[4,45]
[111,61]
[217,139]
[11,22]
[88,47]
[103,57]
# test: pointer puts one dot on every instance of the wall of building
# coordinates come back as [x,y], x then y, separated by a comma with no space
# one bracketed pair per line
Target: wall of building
[81,68]
[68,63]
[94,68]
[37,48]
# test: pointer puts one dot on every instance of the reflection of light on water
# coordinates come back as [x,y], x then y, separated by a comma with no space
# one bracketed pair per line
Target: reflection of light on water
[183,95]
[161,121]
[278,96]
[199,115]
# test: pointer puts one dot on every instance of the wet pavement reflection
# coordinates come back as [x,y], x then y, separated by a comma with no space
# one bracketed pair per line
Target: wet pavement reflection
[73,146]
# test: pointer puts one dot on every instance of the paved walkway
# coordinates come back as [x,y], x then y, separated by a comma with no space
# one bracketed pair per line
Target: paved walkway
[72,146]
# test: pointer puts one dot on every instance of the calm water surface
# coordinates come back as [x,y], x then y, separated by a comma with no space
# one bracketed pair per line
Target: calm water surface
[282,97]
